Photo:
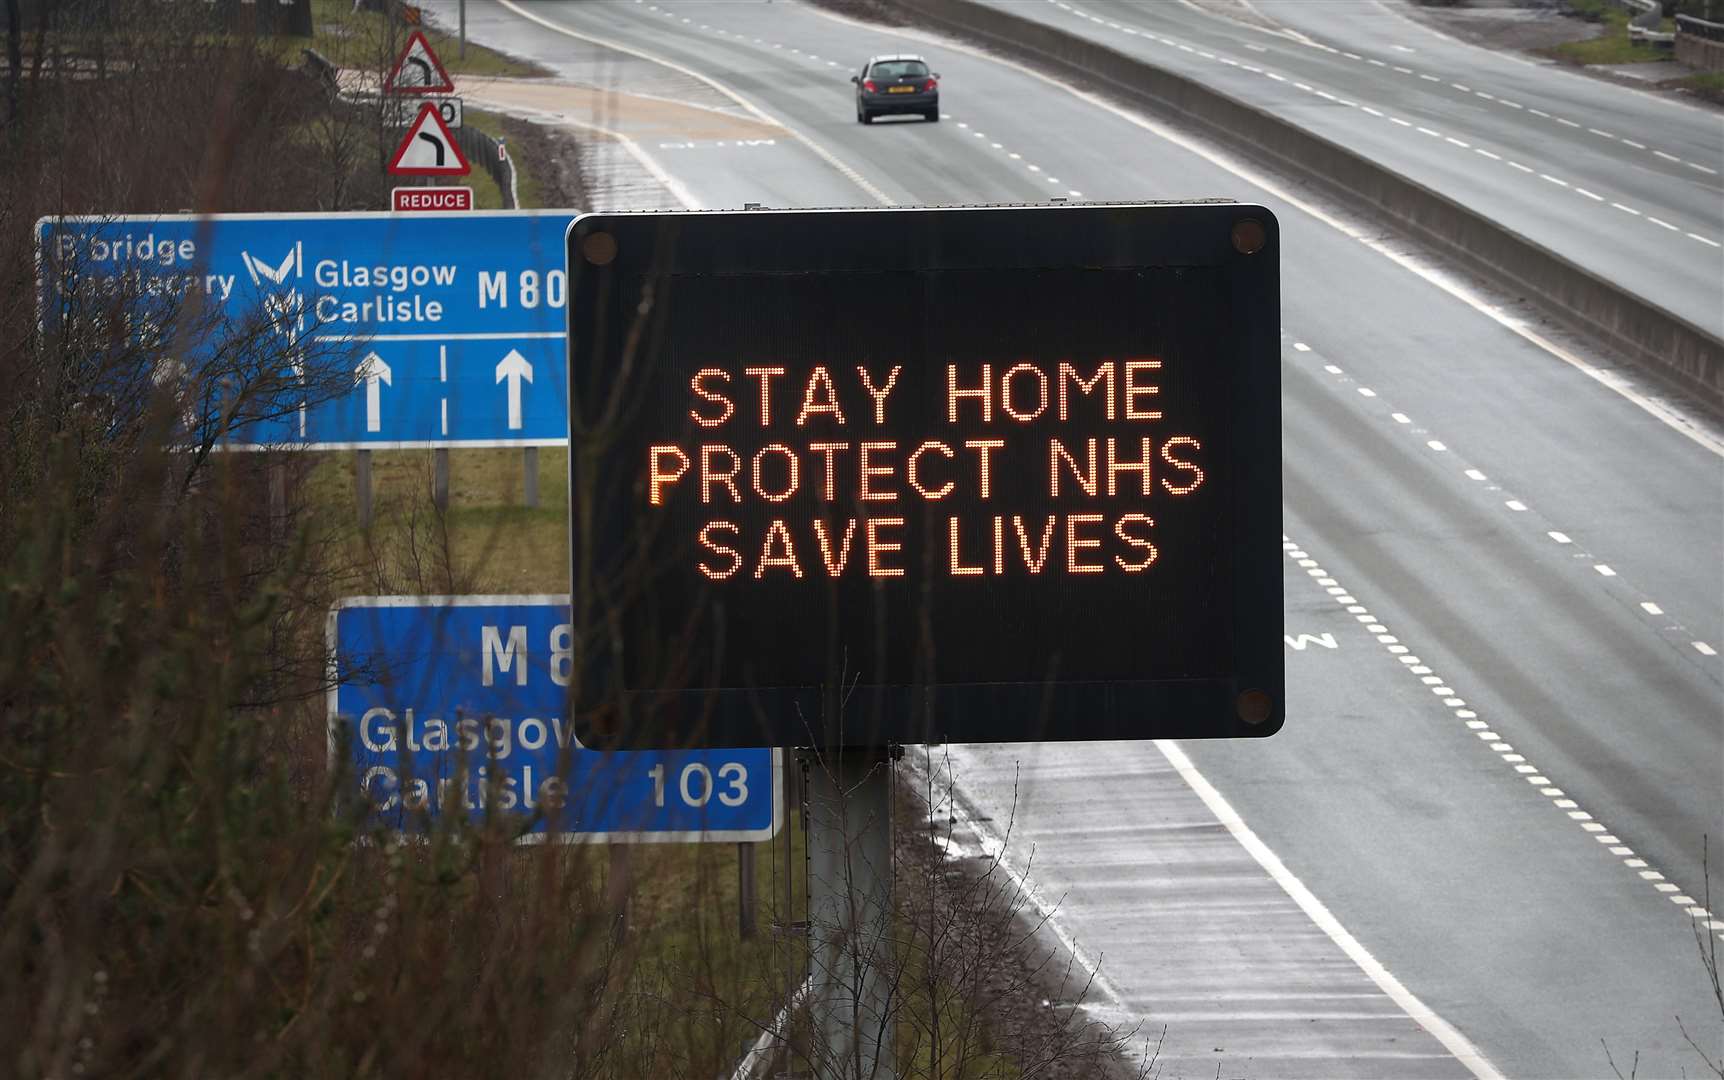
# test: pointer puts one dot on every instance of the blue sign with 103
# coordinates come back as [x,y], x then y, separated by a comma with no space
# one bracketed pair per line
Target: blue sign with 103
[453,323]
[457,705]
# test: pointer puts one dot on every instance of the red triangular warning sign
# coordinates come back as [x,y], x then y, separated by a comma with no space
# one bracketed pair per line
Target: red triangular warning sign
[417,70]
[429,148]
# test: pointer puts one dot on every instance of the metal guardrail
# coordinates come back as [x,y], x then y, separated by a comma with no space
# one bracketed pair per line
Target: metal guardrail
[1700,28]
[492,155]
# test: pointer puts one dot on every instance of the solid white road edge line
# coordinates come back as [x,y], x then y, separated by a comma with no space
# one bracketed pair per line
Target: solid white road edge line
[760,114]
[1451,1038]
[1663,413]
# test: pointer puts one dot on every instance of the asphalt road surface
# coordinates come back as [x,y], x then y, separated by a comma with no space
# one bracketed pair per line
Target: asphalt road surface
[1481,827]
[1626,183]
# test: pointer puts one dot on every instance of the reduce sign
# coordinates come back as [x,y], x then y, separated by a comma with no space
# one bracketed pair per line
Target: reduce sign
[991,474]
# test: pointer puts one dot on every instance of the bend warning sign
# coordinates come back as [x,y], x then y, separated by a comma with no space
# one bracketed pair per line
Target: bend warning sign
[429,148]
[417,70]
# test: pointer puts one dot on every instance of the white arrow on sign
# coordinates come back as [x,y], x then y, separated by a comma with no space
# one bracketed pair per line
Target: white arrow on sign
[371,371]
[514,367]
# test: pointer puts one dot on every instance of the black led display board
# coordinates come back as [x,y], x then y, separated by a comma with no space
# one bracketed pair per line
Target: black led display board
[984,474]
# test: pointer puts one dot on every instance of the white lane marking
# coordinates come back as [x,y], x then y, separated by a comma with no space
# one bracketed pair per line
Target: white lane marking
[1603,570]
[1665,224]
[1432,276]
[1370,110]
[1398,120]
[1500,746]
[1552,179]
[1366,391]
[754,110]
[1666,157]
[1522,168]
[1702,168]
[1630,142]
[1588,194]
[1516,505]
[1604,134]
[1474,474]
[1567,123]
[1650,608]
[1487,153]
[1560,537]
[1447,1034]
[1300,346]
[1703,240]
[1703,649]
[1457,142]
[1401,418]
[1437,446]
[1331,369]
[1428,131]
[1626,209]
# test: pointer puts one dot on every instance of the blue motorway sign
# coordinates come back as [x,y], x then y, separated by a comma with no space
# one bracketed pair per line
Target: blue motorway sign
[456,705]
[452,324]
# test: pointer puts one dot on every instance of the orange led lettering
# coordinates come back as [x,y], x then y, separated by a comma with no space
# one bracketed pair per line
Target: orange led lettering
[911,474]
[784,557]
[983,448]
[879,395]
[1103,376]
[1041,392]
[1167,456]
[875,470]
[765,375]
[985,392]
[826,450]
[790,463]
[819,377]
[1140,542]
[958,568]
[1115,466]
[1074,543]
[1036,561]
[834,566]
[725,550]
[999,544]
[710,475]
[704,394]
[657,478]
[1057,452]
[878,547]
[1133,390]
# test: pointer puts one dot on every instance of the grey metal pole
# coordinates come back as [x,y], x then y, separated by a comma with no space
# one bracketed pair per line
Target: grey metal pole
[440,478]
[530,475]
[277,499]
[850,913]
[462,52]
[745,922]
[362,485]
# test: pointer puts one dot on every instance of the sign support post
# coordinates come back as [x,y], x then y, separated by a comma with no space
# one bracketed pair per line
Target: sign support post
[362,485]
[849,793]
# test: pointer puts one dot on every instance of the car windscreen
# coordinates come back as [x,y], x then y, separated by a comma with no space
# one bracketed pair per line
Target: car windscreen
[900,69]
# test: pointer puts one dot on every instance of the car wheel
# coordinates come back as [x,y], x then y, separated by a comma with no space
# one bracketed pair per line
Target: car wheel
[865,117]
[932,116]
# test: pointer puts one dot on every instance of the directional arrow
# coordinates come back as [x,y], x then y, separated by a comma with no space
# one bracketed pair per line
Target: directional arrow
[514,367]
[371,371]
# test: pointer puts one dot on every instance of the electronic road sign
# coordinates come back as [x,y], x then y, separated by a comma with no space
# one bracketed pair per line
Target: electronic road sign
[989,474]
[451,325]
[458,705]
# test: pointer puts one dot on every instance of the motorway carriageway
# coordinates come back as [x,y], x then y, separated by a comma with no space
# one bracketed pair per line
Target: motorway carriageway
[1626,183]
[1504,590]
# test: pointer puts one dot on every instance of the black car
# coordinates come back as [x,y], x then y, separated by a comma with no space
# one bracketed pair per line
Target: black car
[897,84]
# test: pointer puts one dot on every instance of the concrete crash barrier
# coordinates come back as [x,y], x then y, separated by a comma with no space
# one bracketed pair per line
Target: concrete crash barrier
[1663,343]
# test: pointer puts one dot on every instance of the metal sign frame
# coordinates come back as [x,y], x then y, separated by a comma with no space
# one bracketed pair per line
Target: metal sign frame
[610,255]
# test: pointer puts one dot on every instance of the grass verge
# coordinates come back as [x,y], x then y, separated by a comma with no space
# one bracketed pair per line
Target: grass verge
[348,39]
[1613,46]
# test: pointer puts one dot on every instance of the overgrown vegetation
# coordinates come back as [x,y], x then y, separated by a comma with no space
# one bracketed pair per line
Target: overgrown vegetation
[187,887]
[1612,45]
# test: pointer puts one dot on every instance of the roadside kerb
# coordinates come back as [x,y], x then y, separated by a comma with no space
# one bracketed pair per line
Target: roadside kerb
[1664,344]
